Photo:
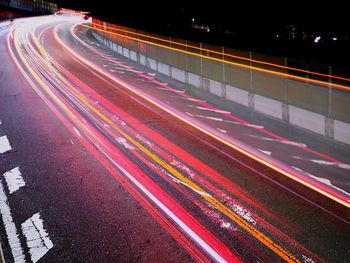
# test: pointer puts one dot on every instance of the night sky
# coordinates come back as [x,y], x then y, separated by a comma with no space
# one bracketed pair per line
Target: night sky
[284,28]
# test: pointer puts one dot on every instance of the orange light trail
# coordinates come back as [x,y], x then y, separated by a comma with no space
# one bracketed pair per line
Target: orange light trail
[285,75]
[335,196]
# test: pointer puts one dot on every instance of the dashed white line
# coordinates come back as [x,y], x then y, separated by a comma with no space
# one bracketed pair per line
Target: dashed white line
[4,144]
[214,110]
[77,131]
[266,152]
[209,118]
[14,180]
[190,114]
[125,143]
[280,141]
[38,241]
[323,162]
[10,228]
[223,131]
[322,180]
[0,122]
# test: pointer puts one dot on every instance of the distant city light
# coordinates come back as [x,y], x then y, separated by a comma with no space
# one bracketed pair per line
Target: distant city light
[192,19]
[317,39]
[208,29]
[335,39]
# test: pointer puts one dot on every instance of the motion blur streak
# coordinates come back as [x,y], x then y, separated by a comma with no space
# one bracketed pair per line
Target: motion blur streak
[337,196]
[210,216]
[211,245]
[258,69]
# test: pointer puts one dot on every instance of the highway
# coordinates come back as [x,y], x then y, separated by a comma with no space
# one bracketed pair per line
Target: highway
[103,160]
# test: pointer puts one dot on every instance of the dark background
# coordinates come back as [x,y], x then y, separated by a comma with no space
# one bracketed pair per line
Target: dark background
[284,28]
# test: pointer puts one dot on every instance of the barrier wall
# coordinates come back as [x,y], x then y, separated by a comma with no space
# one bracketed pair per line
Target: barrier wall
[315,101]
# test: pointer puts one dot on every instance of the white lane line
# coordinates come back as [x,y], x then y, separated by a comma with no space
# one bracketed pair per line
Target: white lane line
[112,70]
[280,141]
[125,143]
[10,228]
[339,165]
[14,180]
[266,152]
[0,122]
[214,110]
[321,180]
[223,131]
[38,241]
[323,162]
[151,74]
[4,144]
[209,118]
[190,114]
[77,132]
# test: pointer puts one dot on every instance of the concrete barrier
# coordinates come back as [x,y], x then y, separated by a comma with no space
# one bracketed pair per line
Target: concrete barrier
[237,95]
[341,131]
[299,103]
[307,119]
[268,106]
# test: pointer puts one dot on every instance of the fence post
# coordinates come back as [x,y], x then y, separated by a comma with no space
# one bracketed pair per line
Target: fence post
[329,121]
[285,107]
[186,63]
[223,83]
[201,84]
[251,90]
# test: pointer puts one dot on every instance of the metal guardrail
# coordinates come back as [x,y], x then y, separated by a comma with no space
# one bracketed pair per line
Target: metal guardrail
[223,71]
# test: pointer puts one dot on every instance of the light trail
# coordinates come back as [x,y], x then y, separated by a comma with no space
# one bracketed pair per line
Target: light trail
[221,54]
[287,171]
[96,122]
[258,69]
[211,245]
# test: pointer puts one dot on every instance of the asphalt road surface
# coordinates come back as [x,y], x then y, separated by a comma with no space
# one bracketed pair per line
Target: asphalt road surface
[103,160]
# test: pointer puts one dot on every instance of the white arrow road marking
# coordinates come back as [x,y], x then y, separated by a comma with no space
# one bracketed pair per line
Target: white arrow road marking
[322,180]
[4,144]
[38,240]
[10,228]
[14,180]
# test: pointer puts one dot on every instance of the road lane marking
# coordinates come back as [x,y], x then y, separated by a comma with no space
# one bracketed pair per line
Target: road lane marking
[298,144]
[14,180]
[125,143]
[38,241]
[323,162]
[190,114]
[10,228]
[221,130]
[77,131]
[0,122]
[214,110]
[4,144]
[322,180]
[209,118]
[266,152]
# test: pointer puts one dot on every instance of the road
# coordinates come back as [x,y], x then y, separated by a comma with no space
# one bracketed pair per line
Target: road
[103,160]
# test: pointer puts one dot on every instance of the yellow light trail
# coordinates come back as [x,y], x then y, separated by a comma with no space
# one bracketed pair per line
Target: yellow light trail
[345,203]
[214,52]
